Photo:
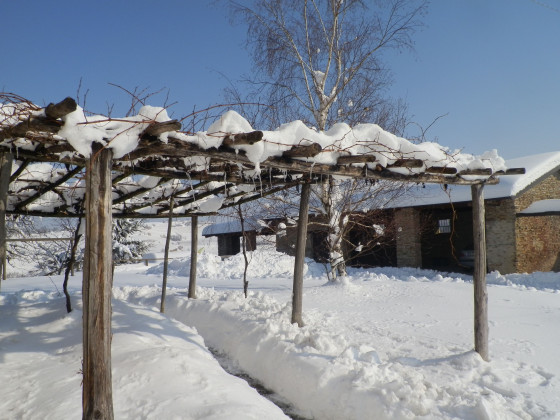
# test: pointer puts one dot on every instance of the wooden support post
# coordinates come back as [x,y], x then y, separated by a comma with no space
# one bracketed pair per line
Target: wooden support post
[97,394]
[6,159]
[297,291]
[479,275]
[166,256]
[194,254]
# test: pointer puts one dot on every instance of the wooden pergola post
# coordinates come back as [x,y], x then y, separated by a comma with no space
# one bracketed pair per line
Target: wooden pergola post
[297,291]
[166,256]
[194,257]
[97,394]
[479,274]
[6,159]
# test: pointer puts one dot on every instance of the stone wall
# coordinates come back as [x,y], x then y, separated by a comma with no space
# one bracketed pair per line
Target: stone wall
[500,235]
[538,236]
[538,243]
[409,249]
[549,188]
[517,244]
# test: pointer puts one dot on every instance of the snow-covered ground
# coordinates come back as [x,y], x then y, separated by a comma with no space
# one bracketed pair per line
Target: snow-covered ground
[382,344]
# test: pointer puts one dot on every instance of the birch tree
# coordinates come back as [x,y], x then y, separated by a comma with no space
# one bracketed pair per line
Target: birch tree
[322,62]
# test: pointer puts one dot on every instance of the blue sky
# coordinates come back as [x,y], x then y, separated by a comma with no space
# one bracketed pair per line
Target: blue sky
[491,66]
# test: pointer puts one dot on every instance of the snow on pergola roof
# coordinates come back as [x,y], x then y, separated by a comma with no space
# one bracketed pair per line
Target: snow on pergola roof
[226,165]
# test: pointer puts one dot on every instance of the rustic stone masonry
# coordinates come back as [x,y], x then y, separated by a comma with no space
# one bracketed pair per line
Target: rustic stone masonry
[538,235]
[538,243]
[518,243]
[500,235]
[549,188]
[409,248]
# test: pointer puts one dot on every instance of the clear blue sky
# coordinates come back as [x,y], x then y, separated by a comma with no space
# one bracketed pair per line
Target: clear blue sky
[493,66]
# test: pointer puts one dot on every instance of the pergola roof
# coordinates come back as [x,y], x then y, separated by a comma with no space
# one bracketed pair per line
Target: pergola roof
[204,172]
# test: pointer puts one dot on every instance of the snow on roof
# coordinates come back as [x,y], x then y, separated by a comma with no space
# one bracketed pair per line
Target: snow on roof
[342,139]
[250,224]
[536,167]
[123,134]
[543,206]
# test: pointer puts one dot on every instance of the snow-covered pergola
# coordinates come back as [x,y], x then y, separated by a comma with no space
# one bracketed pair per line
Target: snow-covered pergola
[57,161]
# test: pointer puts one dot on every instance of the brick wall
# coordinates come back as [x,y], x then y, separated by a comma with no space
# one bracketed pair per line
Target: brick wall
[409,251]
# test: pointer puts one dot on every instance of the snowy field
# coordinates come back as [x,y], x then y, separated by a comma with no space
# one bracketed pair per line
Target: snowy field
[382,344]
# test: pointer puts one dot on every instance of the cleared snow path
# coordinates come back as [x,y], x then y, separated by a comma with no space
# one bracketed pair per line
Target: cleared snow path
[231,368]
[422,365]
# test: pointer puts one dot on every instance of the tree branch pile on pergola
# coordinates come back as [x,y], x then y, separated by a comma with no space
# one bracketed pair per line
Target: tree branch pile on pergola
[63,163]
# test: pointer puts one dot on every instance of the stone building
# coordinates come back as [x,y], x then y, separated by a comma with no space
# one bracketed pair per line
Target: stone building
[434,227]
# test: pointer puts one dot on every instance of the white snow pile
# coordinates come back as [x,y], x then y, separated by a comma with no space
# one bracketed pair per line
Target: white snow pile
[122,135]
[386,343]
[210,266]
[161,368]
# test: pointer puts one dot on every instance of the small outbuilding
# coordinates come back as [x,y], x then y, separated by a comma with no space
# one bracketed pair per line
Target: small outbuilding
[434,224]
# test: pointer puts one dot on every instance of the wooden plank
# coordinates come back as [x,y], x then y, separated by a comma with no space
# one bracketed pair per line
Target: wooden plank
[6,159]
[348,160]
[297,291]
[136,192]
[97,395]
[38,239]
[59,110]
[194,257]
[481,171]
[441,170]
[479,274]
[19,170]
[158,128]
[242,138]
[303,151]
[406,163]
[48,187]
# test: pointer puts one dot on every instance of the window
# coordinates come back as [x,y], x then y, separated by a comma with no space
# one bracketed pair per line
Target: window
[444,226]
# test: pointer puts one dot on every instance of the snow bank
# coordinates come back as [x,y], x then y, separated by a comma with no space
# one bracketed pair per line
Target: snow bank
[268,263]
[328,376]
[161,368]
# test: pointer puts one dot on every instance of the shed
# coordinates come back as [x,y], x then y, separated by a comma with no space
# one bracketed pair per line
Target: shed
[230,232]
[522,222]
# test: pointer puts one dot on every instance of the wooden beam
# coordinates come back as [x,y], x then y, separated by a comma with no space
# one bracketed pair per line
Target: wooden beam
[97,394]
[197,197]
[479,274]
[157,128]
[194,257]
[303,151]
[139,191]
[34,124]
[242,138]
[19,170]
[59,110]
[441,170]
[48,187]
[297,291]
[348,160]
[6,159]
[481,171]
[406,163]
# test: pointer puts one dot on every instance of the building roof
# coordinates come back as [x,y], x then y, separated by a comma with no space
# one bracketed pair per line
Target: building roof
[537,167]
[250,224]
